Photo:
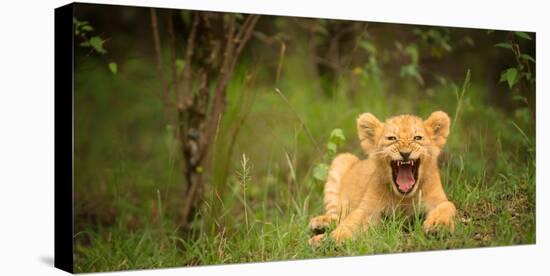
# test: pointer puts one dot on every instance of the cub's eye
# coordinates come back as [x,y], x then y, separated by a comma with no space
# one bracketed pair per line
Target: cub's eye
[391,138]
[417,138]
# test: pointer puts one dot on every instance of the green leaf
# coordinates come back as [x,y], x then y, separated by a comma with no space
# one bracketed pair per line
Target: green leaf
[97,44]
[185,17]
[502,77]
[528,76]
[510,76]
[411,70]
[180,64]
[523,35]
[322,30]
[469,41]
[78,23]
[87,28]
[369,47]
[527,57]
[412,51]
[446,46]
[398,45]
[505,45]
[442,80]
[337,136]
[519,98]
[332,148]
[113,67]
[320,172]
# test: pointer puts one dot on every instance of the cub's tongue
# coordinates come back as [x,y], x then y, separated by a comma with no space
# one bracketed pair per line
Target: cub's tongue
[405,178]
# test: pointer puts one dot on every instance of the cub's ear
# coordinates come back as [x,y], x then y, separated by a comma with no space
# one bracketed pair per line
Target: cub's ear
[368,128]
[437,126]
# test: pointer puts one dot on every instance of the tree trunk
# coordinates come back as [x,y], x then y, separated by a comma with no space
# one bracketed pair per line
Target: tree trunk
[213,46]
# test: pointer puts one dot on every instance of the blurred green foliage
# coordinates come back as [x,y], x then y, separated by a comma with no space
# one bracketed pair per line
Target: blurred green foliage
[84,32]
[336,139]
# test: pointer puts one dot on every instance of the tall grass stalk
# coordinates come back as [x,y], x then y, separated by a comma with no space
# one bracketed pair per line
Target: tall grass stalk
[460,97]
[244,177]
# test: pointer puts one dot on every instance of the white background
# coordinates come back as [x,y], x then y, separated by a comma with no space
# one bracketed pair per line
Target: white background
[27,135]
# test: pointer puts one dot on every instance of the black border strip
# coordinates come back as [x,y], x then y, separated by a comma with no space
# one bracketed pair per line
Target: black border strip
[64,223]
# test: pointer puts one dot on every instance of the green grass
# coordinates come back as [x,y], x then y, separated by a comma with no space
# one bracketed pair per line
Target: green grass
[128,184]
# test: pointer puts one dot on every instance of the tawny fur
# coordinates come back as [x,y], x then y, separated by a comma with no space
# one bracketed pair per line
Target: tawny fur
[358,192]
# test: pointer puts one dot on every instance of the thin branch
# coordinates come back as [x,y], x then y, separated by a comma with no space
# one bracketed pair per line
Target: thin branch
[156,39]
[231,55]
[172,35]
[282,50]
[241,32]
[230,45]
[356,45]
[244,39]
[241,39]
[188,62]
[303,125]
[190,199]
[219,92]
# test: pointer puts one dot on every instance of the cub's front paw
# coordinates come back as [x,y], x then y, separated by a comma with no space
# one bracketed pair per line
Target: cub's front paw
[341,233]
[315,241]
[442,216]
[319,224]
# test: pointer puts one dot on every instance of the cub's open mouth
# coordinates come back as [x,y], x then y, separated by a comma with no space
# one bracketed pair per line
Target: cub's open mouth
[405,174]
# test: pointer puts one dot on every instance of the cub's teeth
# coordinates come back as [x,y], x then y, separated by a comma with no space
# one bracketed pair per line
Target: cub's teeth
[410,162]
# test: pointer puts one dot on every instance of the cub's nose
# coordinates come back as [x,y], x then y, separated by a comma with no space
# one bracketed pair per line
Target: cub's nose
[405,154]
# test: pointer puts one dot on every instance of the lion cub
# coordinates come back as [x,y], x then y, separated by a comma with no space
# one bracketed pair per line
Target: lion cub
[400,172]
